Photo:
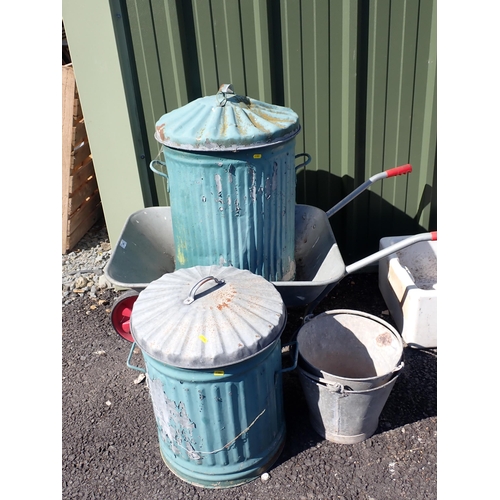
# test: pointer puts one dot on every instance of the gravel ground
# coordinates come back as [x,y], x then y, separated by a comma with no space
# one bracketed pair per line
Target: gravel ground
[109,435]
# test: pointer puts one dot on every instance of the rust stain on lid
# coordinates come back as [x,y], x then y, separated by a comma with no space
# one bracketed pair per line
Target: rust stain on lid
[384,339]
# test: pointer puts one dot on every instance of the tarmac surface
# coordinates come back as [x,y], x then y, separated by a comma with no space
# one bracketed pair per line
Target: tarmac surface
[110,444]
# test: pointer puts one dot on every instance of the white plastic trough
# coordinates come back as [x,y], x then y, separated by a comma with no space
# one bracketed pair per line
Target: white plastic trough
[408,283]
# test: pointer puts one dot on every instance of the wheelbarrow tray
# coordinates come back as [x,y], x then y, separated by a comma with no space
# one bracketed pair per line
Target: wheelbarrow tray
[146,251]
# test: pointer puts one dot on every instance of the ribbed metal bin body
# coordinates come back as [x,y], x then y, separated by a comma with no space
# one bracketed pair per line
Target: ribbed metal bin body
[230,170]
[219,428]
[235,208]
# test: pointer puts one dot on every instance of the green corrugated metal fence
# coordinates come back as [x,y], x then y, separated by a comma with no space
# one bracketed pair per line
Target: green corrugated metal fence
[360,74]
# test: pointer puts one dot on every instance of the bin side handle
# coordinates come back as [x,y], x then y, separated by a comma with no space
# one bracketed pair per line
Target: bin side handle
[142,370]
[304,163]
[293,345]
[159,172]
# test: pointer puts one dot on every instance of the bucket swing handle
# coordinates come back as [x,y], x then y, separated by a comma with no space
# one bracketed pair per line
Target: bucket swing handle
[304,163]
[337,388]
[159,172]
[333,387]
[142,370]
[399,367]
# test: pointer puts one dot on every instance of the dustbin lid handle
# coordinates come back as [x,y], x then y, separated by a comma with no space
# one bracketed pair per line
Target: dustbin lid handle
[190,298]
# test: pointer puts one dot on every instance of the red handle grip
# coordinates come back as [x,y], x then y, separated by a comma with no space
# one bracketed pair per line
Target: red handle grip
[434,235]
[403,169]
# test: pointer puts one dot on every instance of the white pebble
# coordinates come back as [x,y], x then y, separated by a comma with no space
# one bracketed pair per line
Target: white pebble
[80,282]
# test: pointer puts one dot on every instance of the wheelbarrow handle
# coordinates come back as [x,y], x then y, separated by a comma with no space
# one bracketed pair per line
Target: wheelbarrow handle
[403,169]
[432,236]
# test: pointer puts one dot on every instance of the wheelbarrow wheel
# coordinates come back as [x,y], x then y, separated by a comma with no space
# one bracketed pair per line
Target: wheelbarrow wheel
[121,313]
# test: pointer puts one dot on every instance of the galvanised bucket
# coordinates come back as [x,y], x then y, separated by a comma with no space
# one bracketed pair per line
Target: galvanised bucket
[341,415]
[348,363]
[211,342]
[230,165]
[353,348]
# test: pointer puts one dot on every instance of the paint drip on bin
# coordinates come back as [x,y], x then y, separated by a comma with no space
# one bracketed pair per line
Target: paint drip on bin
[230,169]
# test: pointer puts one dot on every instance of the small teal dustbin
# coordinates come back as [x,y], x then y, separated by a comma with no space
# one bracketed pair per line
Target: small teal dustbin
[211,342]
[230,165]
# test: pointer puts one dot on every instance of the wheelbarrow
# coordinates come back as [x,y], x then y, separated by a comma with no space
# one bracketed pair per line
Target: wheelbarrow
[146,251]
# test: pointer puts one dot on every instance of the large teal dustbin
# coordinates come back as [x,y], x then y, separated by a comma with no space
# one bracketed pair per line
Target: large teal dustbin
[230,165]
[210,339]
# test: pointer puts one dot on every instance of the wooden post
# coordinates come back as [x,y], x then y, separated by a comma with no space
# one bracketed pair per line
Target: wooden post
[81,203]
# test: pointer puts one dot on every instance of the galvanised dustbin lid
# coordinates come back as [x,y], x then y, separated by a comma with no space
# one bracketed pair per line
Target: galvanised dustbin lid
[226,121]
[207,317]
